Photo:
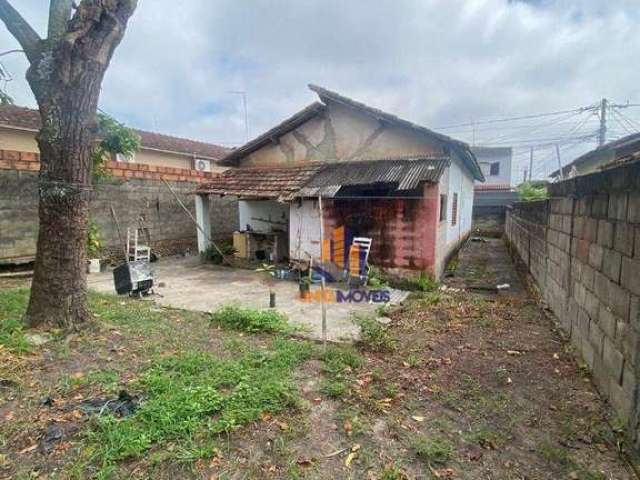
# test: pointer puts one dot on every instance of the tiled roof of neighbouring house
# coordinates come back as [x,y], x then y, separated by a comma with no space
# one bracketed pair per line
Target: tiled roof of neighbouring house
[29,119]
[261,182]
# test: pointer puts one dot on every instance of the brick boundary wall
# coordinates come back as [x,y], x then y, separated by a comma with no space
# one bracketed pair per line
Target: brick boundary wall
[582,248]
[136,193]
[30,162]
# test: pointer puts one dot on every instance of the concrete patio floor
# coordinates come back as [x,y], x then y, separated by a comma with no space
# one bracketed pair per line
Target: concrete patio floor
[192,285]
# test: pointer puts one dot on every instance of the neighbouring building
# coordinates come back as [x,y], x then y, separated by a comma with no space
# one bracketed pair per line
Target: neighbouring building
[19,125]
[495,163]
[408,188]
[623,149]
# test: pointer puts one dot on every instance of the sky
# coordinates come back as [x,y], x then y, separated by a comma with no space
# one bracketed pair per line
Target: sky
[436,62]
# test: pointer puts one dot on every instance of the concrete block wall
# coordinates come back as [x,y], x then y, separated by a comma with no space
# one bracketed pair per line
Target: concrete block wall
[582,247]
[136,193]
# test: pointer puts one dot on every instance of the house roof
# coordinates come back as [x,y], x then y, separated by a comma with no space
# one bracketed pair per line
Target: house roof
[462,148]
[13,116]
[328,96]
[325,179]
[283,127]
[623,147]
[408,173]
[277,183]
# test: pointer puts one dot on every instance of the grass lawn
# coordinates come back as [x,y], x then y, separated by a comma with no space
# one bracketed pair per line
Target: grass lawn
[151,392]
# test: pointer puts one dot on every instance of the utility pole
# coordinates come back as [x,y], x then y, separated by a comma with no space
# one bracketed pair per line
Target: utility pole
[559,162]
[530,165]
[602,138]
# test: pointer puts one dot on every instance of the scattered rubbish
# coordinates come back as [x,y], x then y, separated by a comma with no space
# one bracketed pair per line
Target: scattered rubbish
[48,401]
[352,455]
[384,320]
[54,434]
[418,418]
[36,339]
[504,286]
[479,239]
[514,352]
[122,406]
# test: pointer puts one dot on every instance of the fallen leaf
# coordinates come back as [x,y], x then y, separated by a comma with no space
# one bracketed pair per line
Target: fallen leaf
[350,458]
[348,427]
[418,418]
[283,425]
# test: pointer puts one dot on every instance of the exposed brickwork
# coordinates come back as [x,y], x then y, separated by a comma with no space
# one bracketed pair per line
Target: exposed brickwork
[135,193]
[30,162]
[582,248]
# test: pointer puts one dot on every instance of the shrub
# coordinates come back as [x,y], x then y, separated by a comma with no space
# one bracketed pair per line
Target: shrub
[212,255]
[530,192]
[251,320]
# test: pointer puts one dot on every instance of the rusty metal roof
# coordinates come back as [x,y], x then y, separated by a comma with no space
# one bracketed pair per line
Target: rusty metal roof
[277,183]
[405,173]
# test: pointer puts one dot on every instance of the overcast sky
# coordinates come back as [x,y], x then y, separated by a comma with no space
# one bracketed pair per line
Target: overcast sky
[436,62]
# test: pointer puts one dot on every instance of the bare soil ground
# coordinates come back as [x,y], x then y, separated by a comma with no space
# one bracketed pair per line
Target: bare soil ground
[462,385]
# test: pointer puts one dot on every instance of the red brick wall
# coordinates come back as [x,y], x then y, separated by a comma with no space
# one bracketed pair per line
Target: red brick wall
[404,231]
[26,161]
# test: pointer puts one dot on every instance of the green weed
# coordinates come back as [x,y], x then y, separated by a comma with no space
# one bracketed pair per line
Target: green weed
[251,320]
[374,335]
[435,450]
[392,472]
[337,359]
[108,379]
[13,304]
[193,393]
[333,388]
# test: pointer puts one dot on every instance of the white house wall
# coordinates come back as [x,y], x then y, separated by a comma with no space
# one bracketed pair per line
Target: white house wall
[460,182]
[304,230]
[263,215]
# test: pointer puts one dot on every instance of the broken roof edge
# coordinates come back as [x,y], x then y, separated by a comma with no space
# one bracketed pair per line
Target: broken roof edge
[280,129]
[462,148]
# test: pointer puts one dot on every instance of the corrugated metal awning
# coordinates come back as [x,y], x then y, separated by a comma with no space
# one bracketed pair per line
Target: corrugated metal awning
[405,173]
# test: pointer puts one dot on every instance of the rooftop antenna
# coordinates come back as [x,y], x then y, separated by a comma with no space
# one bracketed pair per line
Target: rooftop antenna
[243,94]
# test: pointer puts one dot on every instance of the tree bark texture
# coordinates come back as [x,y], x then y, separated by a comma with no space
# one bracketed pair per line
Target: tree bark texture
[66,78]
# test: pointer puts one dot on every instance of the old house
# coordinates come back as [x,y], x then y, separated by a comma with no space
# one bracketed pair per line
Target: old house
[408,188]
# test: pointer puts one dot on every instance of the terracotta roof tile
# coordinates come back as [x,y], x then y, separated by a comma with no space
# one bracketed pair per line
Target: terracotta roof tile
[27,118]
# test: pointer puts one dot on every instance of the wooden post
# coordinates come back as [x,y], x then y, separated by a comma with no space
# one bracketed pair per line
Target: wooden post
[322,284]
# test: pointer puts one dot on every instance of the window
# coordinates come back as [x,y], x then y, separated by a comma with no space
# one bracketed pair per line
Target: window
[454,210]
[495,168]
[124,158]
[443,208]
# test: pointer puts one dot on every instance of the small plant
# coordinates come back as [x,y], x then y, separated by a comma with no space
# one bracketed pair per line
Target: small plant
[12,306]
[425,283]
[530,192]
[413,360]
[212,255]
[94,244]
[376,279]
[392,472]
[251,320]
[338,359]
[333,388]
[436,450]
[374,335]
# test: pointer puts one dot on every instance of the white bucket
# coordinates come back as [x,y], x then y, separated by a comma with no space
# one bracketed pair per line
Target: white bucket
[93,265]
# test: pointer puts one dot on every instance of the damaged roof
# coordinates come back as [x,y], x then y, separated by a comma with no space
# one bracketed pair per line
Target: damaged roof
[273,134]
[277,183]
[325,179]
[23,118]
[461,148]
[407,173]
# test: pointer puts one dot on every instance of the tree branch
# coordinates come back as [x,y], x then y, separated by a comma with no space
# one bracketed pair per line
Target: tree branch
[59,16]
[21,30]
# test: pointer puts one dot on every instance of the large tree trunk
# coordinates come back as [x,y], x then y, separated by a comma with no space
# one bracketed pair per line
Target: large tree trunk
[65,77]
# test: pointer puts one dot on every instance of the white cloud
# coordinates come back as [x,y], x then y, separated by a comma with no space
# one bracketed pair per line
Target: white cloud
[433,61]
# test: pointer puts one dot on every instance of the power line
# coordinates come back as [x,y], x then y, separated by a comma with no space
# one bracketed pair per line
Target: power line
[511,119]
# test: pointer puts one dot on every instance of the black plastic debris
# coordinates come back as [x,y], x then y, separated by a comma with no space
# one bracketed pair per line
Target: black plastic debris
[55,434]
[122,406]
[48,401]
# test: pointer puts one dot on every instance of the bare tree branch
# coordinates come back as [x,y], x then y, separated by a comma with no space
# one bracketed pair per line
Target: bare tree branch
[59,16]
[20,29]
